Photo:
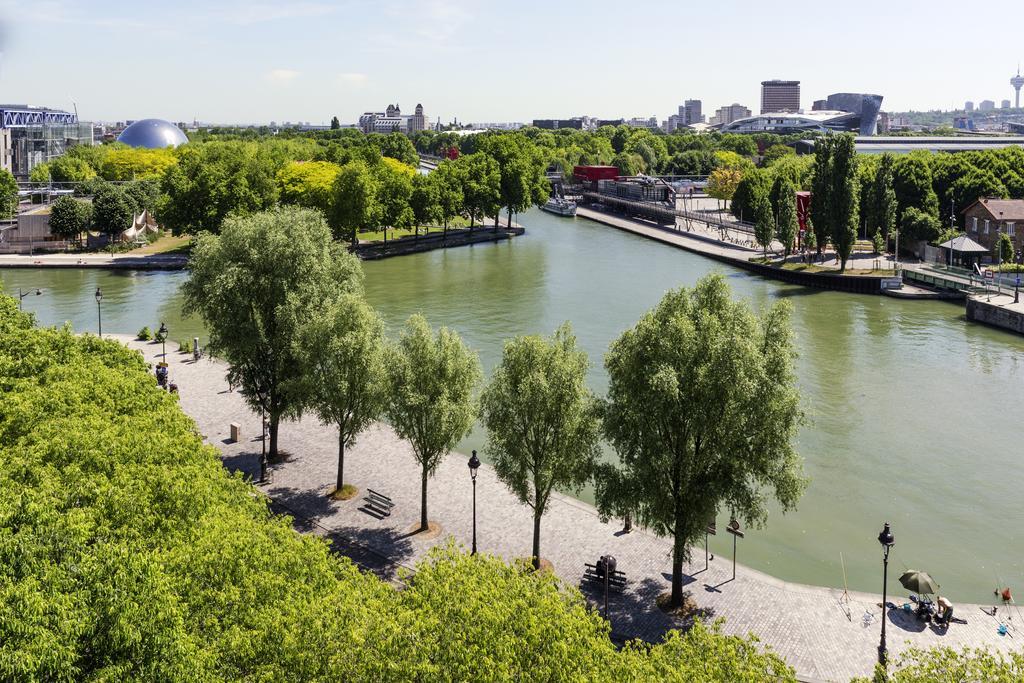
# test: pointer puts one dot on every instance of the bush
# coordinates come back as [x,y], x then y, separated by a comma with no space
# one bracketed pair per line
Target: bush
[158,337]
[145,334]
[185,346]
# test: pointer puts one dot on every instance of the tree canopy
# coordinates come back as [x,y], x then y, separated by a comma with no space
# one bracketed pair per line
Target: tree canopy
[702,410]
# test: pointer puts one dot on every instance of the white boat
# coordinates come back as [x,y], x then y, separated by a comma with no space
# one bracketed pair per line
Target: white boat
[560,206]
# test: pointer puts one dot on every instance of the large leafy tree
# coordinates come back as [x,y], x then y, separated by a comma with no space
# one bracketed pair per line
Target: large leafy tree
[542,426]
[341,350]
[425,200]
[113,210]
[309,184]
[449,180]
[482,186]
[702,409]
[70,217]
[255,285]
[431,380]
[397,146]
[70,169]
[131,163]
[912,182]
[821,192]
[883,208]
[355,205]
[394,195]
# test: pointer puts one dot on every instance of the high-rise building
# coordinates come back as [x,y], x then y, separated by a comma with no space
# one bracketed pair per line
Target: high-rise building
[1005,104]
[968,106]
[692,111]
[819,105]
[986,105]
[729,114]
[1017,82]
[780,96]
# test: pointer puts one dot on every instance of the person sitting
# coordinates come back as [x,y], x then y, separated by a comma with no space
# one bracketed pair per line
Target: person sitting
[945,611]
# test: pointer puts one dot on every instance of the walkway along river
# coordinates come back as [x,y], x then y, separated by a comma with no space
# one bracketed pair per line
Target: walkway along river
[915,414]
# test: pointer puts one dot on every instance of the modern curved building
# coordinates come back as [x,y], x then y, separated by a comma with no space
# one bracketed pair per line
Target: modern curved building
[786,123]
[865,106]
[152,134]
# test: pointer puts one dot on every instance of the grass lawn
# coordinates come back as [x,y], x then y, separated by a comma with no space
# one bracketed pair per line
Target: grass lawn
[166,244]
[393,233]
[815,268]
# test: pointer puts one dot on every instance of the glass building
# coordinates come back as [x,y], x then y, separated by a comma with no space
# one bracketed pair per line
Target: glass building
[30,136]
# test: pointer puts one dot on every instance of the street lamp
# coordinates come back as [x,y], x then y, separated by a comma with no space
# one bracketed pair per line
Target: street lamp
[474,465]
[22,295]
[163,339]
[608,563]
[888,541]
[99,310]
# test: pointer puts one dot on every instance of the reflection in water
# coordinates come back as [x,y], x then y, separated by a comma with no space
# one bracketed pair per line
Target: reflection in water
[915,413]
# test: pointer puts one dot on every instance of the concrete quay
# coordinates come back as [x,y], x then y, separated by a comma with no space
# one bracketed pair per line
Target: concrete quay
[823,633]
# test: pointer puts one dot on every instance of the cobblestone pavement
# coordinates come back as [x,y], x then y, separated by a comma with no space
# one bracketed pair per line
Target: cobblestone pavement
[807,625]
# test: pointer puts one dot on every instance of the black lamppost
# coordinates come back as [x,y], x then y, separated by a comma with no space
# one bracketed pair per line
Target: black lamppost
[99,310]
[22,295]
[474,465]
[608,562]
[888,541]
[163,339]
[263,438]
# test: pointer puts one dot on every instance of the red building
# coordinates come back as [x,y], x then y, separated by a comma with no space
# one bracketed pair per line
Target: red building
[592,174]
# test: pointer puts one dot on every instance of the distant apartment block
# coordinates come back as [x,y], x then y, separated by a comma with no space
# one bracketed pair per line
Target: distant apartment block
[780,96]
[986,105]
[555,124]
[968,106]
[728,114]
[689,113]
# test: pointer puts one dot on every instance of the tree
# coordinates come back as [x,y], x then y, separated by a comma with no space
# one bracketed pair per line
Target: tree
[843,199]
[394,190]
[693,162]
[449,180]
[8,194]
[976,184]
[764,219]
[786,223]
[821,191]
[144,194]
[754,186]
[70,169]
[702,410]
[255,285]
[777,152]
[919,225]
[70,217]
[917,665]
[628,164]
[309,184]
[214,180]
[1004,248]
[542,426]
[425,200]
[722,183]
[884,205]
[112,210]
[355,204]
[912,182]
[343,376]
[482,186]
[335,123]
[40,173]
[132,163]
[397,146]
[431,379]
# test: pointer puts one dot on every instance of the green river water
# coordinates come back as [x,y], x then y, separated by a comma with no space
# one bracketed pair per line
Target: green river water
[914,414]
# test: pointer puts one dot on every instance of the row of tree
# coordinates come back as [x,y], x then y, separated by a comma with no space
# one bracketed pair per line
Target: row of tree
[702,404]
[110,210]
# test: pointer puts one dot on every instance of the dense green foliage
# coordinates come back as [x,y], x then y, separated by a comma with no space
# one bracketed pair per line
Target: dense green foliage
[70,217]
[543,430]
[702,410]
[8,194]
[112,209]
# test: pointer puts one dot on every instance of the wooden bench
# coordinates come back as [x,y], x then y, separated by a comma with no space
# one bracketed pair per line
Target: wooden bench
[378,503]
[594,576]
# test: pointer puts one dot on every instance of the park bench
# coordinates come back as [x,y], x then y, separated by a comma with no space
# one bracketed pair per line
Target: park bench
[594,575]
[378,503]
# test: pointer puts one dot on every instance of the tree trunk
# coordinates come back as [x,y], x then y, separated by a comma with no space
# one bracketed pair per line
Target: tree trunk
[536,539]
[510,220]
[341,460]
[423,502]
[274,421]
[677,575]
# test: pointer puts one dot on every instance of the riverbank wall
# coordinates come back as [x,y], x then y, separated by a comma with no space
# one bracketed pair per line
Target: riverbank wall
[430,242]
[997,311]
[737,256]
[100,262]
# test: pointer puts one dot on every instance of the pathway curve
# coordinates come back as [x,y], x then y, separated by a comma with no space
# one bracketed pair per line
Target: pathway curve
[808,625]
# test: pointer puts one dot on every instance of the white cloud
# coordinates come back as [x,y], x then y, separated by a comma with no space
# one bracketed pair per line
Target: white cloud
[352,79]
[281,75]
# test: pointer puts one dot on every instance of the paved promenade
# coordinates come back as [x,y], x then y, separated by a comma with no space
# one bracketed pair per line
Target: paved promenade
[822,637]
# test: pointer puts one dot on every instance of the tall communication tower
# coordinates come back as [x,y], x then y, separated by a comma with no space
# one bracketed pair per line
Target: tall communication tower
[1017,81]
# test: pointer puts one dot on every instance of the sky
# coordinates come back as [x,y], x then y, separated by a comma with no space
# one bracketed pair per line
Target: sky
[233,61]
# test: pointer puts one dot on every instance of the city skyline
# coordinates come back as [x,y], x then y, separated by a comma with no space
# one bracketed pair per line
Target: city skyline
[309,61]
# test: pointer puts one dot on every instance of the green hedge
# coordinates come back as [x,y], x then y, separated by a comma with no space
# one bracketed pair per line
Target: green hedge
[127,552]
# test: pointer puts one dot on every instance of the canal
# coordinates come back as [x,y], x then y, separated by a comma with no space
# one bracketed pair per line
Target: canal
[914,414]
